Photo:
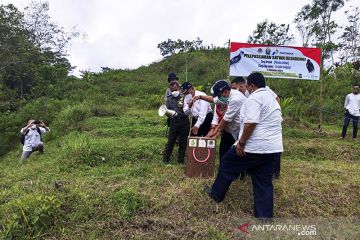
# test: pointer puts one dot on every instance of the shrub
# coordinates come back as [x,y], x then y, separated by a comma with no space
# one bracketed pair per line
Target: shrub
[28,216]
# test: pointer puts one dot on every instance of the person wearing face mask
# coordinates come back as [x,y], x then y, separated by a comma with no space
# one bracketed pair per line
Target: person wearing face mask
[179,124]
[171,77]
[31,138]
[229,126]
[352,111]
[200,111]
[257,148]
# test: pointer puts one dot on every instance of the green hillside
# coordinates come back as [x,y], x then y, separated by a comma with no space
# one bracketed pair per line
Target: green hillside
[102,175]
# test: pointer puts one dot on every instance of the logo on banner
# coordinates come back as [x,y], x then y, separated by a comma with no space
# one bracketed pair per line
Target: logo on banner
[192,142]
[211,144]
[202,143]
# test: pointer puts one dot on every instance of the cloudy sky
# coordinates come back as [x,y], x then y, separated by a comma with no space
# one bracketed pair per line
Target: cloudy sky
[125,33]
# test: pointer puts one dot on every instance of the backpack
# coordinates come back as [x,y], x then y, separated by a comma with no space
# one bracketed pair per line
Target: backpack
[22,138]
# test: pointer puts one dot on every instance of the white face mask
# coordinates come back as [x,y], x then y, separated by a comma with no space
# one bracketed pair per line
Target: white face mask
[175,93]
[33,126]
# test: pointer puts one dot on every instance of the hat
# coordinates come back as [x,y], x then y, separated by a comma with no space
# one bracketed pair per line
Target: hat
[185,86]
[172,76]
[219,87]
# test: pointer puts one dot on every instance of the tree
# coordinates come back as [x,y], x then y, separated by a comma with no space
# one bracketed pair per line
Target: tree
[17,53]
[43,32]
[32,52]
[167,47]
[269,33]
[320,11]
[170,47]
[351,36]
[305,26]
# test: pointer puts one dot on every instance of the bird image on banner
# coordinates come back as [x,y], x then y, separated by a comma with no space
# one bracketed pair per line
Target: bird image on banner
[310,66]
[236,59]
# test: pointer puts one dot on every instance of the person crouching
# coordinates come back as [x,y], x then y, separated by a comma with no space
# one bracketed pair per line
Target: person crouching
[31,138]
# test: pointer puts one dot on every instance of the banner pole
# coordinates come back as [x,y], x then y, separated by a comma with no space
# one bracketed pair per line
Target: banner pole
[228,61]
[321,103]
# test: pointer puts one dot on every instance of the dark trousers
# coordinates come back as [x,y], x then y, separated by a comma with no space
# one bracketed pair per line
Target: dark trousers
[179,127]
[205,127]
[227,140]
[26,154]
[277,166]
[260,167]
[355,121]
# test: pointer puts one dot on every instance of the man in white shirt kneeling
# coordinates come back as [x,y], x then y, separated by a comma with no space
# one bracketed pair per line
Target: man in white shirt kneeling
[31,138]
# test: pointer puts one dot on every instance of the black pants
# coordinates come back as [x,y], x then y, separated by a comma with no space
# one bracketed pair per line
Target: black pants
[277,166]
[355,121]
[227,140]
[260,167]
[179,127]
[205,126]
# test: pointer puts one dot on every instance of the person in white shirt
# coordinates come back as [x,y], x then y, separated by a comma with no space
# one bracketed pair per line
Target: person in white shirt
[256,151]
[227,126]
[31,137]
[200,111]
[352,111]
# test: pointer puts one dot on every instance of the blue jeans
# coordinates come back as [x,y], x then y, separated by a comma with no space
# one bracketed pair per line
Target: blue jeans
[260,167]
[347,119]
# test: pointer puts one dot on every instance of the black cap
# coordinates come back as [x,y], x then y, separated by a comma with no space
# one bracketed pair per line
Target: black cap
[172,76]
[219,87]
[185,86]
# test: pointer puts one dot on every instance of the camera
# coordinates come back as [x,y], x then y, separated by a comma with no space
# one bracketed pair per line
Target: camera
[37,122]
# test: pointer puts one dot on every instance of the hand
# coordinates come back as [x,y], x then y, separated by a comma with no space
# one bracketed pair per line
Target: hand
[195,98]
[29,125]
[42,124]
[195,130]
[212,133]
[240,150]
[190,103]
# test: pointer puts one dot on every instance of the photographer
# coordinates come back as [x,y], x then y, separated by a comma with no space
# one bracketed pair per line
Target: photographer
[31,138]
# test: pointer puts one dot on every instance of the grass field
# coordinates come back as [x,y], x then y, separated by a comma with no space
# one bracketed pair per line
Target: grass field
[111,184]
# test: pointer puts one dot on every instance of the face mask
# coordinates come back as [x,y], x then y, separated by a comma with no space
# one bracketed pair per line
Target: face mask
[224,100]
[175,93]
[33,126]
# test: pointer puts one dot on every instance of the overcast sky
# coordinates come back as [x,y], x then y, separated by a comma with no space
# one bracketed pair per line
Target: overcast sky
[125,34]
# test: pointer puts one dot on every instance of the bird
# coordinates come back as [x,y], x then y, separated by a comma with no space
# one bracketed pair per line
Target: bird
[58,184]
[310,66]
[236,59]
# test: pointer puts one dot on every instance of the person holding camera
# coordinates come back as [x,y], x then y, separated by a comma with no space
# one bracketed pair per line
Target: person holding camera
[31,138]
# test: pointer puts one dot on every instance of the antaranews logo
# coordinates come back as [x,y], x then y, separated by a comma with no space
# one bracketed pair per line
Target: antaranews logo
[299,229]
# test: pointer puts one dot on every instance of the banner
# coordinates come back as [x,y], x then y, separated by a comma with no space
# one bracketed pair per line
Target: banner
[275,61]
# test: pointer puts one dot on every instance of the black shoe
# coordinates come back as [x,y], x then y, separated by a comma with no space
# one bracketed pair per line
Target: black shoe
[207,189]
[166,161]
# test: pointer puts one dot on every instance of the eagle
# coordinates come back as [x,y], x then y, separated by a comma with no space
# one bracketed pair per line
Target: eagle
[310,66]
